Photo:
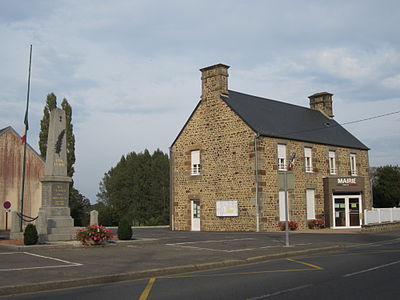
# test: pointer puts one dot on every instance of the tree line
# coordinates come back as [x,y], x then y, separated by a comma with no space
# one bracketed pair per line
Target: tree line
[136,189]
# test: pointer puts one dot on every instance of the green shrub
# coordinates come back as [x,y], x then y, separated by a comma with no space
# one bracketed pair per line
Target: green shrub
[30,235]
[124,230]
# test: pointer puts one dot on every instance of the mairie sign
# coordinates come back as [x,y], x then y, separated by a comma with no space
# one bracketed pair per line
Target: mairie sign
[347,181]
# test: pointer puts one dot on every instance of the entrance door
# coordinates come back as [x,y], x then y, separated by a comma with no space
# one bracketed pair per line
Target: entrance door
[346,210]
[195,215]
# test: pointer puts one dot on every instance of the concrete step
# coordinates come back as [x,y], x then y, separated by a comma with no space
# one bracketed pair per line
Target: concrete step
[60,237]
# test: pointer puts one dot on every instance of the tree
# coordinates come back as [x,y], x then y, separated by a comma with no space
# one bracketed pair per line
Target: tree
[137,188]
[70,138]
[51,103]
[386,186]
[80,207]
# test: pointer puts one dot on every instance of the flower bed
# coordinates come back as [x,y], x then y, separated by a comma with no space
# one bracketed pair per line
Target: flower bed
[292,225]
[316,224]
[93,235]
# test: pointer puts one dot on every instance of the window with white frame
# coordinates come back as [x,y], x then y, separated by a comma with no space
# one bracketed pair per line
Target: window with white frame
[332,163]
[281,157]
[308,160]
[195,162]
[310,200]
[353,165]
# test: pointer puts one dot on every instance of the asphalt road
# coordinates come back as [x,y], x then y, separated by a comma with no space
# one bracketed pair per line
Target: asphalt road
[364,272]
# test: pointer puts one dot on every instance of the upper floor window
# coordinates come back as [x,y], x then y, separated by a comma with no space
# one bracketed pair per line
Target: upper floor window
[353,165]
[308,160]
[195,163]
[281,157]
[332,163]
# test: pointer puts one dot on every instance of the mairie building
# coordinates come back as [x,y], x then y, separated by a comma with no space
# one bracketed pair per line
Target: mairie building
[240,158]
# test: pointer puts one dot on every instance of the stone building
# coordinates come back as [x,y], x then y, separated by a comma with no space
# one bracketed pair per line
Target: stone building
[229,160]
[11,159]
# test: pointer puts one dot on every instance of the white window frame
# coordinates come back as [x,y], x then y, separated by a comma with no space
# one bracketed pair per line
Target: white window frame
[310,202]
[353,164]
[308,159]
[332,162]
[282,157]
[195,162]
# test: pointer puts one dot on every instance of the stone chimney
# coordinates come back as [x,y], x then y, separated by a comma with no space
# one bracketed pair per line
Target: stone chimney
[214,81]
[322,102]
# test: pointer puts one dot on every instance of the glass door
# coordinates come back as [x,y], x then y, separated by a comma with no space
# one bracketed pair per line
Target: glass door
[354,211]
[346,211]
[195,215]
[340,212]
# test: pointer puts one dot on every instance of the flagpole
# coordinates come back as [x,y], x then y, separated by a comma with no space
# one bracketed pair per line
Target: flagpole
[26,139]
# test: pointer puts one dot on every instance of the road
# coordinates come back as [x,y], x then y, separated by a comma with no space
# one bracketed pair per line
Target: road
[364,272]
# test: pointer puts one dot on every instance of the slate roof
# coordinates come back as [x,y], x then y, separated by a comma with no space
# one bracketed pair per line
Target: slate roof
[283,120]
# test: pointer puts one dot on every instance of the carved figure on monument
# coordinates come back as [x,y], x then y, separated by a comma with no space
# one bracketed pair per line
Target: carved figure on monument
[55,222]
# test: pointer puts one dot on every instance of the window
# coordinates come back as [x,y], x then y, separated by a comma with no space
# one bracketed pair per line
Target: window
[195,162]
[282,206]
[308,160]
[310,199]
[353,166]
[281,157]
[332,163]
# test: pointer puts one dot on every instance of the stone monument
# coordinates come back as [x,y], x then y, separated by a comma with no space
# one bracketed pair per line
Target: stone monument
[55,222]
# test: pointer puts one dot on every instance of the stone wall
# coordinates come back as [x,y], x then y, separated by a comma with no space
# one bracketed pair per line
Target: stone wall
[228,159]
[303,180]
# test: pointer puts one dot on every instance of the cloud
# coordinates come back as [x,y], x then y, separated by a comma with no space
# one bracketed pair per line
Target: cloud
[130,68]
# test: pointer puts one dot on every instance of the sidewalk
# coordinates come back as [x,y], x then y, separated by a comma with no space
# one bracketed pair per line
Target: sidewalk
[156,252]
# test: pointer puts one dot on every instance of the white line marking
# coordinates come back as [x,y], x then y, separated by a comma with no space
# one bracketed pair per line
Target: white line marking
[372,269]
[228,251]
[52,258]
[68,264]
[281,292]
[44,267]
[210,241]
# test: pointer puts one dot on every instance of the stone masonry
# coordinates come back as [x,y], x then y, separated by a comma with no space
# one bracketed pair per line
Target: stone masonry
[227,158]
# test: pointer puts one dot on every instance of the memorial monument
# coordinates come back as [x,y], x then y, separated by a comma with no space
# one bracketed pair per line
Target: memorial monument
[55,222]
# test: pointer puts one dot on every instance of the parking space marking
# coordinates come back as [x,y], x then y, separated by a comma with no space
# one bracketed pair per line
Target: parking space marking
[211,241]
[306,264]
[66,264]
[185,245]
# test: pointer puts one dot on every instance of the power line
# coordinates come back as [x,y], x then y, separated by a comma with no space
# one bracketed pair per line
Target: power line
[370,118]
[328,125]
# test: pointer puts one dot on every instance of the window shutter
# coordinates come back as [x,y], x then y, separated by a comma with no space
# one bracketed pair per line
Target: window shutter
[196,157]
[281,151]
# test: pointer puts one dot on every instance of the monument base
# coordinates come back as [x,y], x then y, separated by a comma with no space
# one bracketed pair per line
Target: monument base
[55,222]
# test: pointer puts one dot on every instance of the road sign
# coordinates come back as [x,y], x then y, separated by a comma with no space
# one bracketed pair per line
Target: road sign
[7,204]
[7,210]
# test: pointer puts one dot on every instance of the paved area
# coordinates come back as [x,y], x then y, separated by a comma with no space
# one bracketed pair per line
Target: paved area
[158,251]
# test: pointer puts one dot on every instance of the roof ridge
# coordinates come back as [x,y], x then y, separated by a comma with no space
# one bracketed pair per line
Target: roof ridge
[279,101]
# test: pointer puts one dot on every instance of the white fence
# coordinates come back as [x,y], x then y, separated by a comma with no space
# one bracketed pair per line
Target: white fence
[381,215]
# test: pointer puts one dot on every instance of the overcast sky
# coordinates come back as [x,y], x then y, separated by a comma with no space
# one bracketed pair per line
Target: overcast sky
[130,69]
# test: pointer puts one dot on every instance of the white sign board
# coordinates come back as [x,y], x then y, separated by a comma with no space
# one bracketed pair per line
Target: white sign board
[227,208]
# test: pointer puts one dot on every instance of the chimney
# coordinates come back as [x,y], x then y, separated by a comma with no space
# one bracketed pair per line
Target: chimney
[322,102]
[214,81]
